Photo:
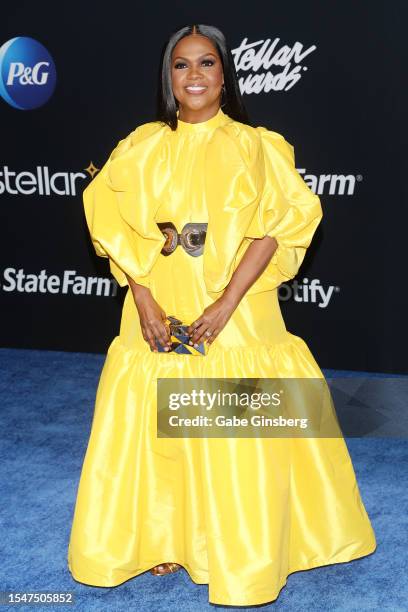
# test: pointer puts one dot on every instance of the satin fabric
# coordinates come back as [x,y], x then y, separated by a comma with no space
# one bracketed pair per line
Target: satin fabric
[238,514]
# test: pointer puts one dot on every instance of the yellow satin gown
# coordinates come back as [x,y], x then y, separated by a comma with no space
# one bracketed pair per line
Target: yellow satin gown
[238,514]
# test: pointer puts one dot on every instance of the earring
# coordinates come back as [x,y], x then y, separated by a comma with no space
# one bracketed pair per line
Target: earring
[223,94]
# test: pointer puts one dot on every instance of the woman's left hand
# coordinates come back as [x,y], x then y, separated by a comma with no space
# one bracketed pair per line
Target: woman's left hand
[212,321]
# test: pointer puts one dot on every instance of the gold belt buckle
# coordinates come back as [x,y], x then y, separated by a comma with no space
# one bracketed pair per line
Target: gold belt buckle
[192,237]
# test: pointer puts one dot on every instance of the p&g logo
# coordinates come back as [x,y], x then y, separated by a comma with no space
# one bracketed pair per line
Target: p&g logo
[27,73]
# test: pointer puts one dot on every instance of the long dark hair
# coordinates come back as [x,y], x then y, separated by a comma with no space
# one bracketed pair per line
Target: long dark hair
[232,103]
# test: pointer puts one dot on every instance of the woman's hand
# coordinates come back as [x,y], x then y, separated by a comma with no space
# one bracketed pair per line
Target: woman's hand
[213,319]
[152,318]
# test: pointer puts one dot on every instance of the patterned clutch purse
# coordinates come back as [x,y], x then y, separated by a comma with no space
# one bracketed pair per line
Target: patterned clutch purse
[180,340]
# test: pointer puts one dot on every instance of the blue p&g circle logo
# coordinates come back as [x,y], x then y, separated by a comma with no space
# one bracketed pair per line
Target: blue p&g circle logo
[27,73]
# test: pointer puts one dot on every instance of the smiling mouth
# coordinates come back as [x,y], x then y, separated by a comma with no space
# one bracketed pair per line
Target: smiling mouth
[196,89]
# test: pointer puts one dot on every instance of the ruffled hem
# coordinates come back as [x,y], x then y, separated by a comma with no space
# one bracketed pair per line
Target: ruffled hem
[85,575]
[290,358]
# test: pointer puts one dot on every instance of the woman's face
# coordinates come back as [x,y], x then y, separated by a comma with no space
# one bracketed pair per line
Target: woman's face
[195,61]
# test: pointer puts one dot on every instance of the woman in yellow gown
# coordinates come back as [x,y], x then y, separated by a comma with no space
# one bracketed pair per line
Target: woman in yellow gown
[239,514]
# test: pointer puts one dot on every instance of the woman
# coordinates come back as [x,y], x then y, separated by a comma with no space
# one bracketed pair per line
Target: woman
[239,514]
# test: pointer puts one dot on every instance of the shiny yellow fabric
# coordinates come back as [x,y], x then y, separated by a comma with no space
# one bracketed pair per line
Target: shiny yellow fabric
[238,514]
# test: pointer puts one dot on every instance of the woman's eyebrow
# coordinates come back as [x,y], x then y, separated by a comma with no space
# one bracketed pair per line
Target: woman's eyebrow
[204,55]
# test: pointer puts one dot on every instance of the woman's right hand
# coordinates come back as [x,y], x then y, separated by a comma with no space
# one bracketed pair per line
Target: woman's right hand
[152,318]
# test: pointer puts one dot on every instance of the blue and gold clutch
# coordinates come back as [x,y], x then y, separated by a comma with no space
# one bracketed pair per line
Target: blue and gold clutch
[180,340]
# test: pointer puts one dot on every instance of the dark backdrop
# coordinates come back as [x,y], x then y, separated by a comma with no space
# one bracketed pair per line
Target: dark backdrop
[345,116]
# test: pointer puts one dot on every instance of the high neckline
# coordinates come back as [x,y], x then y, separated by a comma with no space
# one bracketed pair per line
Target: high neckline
[203,126]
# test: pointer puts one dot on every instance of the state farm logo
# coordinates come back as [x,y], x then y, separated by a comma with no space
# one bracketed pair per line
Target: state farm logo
[269,66]
[18,280]
[66,282]
[331,184]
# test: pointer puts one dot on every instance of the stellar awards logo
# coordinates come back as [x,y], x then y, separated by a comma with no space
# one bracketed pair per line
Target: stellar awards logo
[27,73]
[269,65]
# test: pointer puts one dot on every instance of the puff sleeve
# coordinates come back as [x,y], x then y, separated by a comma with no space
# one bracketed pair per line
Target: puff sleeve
[131,249]
[288,211]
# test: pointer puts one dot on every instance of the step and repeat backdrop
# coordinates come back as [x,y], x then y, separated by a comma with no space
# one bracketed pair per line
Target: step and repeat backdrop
[77,78]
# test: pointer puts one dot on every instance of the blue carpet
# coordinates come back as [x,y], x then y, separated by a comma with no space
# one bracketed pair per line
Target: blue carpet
[47,408]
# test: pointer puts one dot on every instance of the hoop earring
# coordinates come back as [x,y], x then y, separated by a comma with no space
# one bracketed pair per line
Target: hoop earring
[223,93]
